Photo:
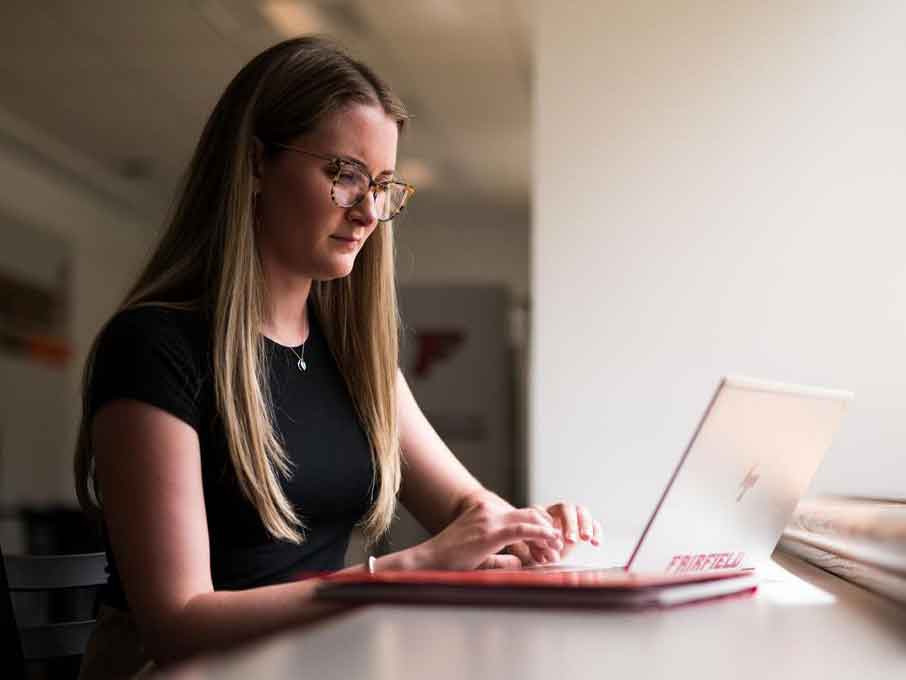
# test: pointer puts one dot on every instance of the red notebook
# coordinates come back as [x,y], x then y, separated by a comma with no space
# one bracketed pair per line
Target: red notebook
[575,588]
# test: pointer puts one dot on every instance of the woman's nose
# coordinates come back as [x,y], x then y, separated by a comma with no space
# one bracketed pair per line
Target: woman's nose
[365,212]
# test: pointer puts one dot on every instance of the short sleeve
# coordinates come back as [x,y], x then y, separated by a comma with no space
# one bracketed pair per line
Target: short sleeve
[143,354]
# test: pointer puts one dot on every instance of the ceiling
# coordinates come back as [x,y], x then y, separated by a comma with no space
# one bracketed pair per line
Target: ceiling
[129,83]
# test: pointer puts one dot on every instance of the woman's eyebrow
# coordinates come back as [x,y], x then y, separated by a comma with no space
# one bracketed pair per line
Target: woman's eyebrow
[361,164]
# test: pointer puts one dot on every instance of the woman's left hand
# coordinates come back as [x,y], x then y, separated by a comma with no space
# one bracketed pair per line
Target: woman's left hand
[576,524]
[574,521]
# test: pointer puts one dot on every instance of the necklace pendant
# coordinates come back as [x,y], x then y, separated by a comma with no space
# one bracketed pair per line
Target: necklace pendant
[302,365]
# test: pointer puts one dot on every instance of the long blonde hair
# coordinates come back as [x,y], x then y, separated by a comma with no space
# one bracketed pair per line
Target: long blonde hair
[207,261]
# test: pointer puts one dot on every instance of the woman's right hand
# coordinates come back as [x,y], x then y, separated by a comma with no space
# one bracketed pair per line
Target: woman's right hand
[474,538]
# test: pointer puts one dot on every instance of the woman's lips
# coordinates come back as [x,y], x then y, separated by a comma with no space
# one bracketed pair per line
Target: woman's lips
[346,243]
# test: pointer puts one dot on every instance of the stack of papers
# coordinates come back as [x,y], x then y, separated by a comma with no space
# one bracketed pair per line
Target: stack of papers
[861,540]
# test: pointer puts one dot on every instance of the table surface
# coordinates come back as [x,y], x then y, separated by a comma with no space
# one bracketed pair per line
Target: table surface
[802,623]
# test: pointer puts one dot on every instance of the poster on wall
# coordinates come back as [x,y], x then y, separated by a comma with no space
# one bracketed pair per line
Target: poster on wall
[34,286]
[456,358]
[38,398]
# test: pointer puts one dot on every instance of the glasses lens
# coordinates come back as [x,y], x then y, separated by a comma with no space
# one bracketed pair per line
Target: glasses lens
[349,186]
[390,199]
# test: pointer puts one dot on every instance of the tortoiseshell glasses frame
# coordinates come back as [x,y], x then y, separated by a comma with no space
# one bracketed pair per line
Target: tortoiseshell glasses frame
[351,183]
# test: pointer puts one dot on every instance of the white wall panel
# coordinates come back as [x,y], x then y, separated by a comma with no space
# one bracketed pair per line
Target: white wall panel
[718,188]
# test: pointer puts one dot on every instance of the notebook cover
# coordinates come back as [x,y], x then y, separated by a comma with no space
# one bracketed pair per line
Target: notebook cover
[610,579]
[589,588]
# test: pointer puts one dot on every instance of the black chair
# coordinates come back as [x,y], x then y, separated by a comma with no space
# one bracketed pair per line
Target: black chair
[28,635]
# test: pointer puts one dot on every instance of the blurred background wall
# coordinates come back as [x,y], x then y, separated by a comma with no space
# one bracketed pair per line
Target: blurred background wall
[718,189]
[101,102]
[55,219]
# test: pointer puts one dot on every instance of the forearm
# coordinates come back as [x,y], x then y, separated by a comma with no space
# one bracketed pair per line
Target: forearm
[478,495]
[223,619]
[416,557]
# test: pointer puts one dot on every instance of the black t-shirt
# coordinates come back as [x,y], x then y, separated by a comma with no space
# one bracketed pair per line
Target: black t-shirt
[163,357]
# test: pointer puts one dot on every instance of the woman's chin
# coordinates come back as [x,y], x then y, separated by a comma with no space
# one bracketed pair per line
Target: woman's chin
[337,269]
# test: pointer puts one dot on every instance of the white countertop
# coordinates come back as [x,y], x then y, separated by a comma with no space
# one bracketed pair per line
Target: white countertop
[802,623]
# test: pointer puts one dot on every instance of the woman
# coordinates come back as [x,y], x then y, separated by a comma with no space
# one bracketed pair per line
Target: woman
[243,410]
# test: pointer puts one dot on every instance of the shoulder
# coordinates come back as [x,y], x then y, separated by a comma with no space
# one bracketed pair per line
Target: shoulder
[144,328]
[157,319]
[154,354]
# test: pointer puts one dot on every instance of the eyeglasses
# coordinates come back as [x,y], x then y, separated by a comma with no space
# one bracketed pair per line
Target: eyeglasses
[351,184]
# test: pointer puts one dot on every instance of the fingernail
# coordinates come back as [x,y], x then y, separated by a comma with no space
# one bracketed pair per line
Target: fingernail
[571,536]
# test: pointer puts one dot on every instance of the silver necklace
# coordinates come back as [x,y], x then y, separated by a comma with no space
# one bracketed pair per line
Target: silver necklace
[301,365]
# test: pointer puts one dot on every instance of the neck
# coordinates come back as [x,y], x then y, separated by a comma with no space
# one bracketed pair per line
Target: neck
[286,320]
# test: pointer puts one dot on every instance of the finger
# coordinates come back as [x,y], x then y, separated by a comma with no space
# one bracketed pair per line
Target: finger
[524,531]
[568,548]
[533,515]
[560,525]
[542,547]
[523,552]
[501,562]
[563,548]
[542,518]
[528,552]
[558,511]
[586,528]
[552,556]
[541,509]
[596,536]
[544,554]
[567,514]
[508,562]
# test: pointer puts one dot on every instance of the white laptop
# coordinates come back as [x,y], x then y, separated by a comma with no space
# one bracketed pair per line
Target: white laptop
[752,456]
